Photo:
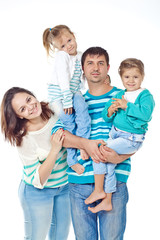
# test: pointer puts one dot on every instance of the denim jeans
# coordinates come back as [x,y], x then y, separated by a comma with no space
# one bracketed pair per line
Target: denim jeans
[78,123]
[46,212]
[123,143]
[85,223]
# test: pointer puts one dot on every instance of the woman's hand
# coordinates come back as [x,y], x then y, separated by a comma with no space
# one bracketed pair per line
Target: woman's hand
[68,111]
[57,140]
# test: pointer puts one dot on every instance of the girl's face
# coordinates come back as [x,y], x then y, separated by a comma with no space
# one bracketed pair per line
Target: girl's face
[132,79]
[26,106]
[67,43]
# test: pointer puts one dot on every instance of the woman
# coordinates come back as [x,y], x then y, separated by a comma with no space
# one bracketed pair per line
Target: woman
[43,191]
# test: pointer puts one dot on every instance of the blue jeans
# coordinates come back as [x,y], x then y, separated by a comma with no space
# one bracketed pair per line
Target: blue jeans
[78,123]
[46,212]
[85,223]
[122,143]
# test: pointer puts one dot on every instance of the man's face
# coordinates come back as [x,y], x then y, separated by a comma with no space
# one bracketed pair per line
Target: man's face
[95,69]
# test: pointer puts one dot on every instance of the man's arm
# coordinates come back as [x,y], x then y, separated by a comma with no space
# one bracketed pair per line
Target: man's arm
[111,156]
[90,146]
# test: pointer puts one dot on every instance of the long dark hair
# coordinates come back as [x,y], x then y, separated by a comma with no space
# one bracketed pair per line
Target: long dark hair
[13,127]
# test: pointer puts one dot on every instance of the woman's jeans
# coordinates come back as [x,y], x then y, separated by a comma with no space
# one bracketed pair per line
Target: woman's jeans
[46,212]
[111,224]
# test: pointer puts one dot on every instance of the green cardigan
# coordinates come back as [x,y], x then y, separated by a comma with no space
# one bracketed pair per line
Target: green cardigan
[136,116]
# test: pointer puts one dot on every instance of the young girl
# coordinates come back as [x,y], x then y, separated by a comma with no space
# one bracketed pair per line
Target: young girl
[43,190]
[130,111]
[64,88]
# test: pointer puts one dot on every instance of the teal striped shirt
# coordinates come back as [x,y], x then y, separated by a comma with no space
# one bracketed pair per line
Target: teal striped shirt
[35,148]
[99,130]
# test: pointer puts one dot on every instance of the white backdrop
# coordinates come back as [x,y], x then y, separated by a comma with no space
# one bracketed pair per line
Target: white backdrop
[125,29]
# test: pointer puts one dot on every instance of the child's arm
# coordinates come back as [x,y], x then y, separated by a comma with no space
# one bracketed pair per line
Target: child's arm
[111,107]
[140,112]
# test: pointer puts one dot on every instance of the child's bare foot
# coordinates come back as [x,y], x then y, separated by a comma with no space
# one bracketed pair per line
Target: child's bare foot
[104,205]
[84,154]
[95,196]
[78,168]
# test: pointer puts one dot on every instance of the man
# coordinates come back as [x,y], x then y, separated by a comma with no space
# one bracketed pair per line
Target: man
[95,64]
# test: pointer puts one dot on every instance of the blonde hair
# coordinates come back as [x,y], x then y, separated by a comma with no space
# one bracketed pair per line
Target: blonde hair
[50,34]
[131,63]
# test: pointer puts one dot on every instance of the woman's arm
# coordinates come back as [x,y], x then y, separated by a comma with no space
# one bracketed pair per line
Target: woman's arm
[47,166]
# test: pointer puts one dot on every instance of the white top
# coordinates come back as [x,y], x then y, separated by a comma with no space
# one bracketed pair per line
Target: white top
[66,78]
[132,95]
[34,150]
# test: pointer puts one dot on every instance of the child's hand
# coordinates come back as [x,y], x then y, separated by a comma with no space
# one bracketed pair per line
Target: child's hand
[120,103]
[57,140]
[68,111]
[112,109]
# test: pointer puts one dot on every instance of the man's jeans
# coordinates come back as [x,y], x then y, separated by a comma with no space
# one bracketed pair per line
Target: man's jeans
[111,224]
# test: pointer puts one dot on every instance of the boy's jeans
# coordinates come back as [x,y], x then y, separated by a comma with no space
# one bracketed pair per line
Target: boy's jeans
[122,143]
[111,224]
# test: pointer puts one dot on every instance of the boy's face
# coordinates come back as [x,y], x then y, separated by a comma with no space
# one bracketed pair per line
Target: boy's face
[95,68]
[132,79]
[67,43]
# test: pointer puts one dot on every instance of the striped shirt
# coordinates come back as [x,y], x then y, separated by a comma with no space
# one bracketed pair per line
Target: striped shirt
[99,130]
[66,78]
[33,152]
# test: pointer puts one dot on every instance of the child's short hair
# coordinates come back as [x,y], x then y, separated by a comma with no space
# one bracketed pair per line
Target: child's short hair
[131,63]
[50,34]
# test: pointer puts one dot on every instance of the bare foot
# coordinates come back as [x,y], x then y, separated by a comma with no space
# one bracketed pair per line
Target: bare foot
[95,196]
[78,168]
[84,154]
[104,205]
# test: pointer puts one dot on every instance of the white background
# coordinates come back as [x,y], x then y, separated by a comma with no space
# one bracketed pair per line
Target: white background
[126,29]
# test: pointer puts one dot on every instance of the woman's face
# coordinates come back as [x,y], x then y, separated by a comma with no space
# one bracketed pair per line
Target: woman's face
[26,106]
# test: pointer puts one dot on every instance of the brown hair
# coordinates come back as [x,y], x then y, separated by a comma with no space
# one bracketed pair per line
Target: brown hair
[131,63]
[13,127]
[95,51]
[50,34]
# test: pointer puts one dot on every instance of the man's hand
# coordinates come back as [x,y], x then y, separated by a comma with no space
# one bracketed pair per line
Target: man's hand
[109,155]
[92,148]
